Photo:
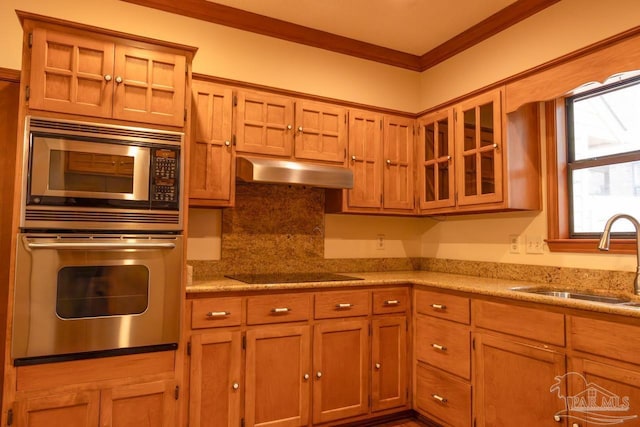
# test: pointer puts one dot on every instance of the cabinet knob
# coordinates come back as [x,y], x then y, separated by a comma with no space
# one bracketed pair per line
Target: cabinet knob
[388,162]
[235,386]
[289,127]
[107,77]
[227,143]
[306,376]
[319,374]
[299,128]
[378,366]
[449,158]
[118,79]
[495,146]
[353,158]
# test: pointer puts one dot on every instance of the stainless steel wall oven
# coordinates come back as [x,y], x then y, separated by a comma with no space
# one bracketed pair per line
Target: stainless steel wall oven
[100,252]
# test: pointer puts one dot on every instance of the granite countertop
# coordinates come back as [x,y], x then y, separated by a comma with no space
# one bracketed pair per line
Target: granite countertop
[454,282]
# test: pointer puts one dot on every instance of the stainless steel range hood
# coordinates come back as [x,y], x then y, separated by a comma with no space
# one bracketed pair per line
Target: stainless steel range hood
[256,169]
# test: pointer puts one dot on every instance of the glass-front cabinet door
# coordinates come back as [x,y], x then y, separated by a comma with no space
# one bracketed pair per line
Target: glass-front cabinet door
[435,160]
[479,149]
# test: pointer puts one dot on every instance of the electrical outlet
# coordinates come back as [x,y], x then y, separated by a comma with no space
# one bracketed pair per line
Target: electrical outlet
[535,245]
[380,242]
[514,244]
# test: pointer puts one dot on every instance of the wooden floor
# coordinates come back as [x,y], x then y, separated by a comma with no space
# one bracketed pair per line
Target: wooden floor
[404,423]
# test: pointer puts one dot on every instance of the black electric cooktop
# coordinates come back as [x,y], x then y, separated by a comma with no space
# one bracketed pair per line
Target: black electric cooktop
[270,278]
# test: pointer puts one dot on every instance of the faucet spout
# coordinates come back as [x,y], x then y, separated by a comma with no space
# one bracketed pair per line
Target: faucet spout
[605,240]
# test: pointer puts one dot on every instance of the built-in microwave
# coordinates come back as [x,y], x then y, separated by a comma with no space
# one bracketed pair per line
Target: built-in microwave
[84,176]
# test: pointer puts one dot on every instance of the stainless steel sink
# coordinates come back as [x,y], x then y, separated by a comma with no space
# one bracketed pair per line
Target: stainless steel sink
[561,293]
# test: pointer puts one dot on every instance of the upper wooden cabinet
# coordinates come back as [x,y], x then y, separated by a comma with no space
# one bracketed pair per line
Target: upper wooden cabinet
[381,157]
[274,125]
[90,74]
[321,132]
[264,123]
[211,179]
[472,157]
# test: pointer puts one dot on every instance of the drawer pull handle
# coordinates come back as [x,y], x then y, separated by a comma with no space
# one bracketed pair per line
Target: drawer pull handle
[343,305]
[213,314]
[280,310]
[439,306]
[439,347]
[439,398]
[391,302]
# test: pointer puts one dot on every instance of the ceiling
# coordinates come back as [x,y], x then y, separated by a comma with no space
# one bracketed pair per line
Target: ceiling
[412,34]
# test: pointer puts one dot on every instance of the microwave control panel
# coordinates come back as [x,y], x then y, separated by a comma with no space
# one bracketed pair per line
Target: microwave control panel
[165,175]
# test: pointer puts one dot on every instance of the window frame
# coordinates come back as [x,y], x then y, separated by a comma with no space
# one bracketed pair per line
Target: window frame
[559,239]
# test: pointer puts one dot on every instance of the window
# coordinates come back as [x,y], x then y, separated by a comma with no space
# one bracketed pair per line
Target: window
[593,152]
[603,137]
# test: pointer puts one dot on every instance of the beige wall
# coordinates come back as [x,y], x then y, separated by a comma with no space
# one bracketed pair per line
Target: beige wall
[229,53]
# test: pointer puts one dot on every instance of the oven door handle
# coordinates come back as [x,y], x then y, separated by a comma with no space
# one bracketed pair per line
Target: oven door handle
[99,246]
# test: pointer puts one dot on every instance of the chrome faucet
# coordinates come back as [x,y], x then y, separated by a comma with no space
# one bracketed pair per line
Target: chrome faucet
[606,236]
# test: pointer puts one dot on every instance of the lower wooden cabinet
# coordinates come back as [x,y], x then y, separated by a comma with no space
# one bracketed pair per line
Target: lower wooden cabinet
[138,405]
[341,369]
[215,386]
[389,359]
[513,381]
[298,359]
[278,376]
[443,396]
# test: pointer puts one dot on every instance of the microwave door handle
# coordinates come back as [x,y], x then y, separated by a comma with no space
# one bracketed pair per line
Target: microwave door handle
[105,246]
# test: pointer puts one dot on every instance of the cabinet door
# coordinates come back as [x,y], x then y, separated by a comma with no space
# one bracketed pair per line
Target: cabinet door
[341,369]
[365,151]
[140,405]
[215,392]
[479,149]
[610,393]
[264,124]
[71,74]
[435,160]
[389,359]
[60,410]
[513,381]
[278,371]
[211,173]
[149,86]
[398,176]
[321,132]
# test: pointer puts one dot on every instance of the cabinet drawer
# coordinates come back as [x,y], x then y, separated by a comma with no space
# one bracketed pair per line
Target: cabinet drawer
[216,312]
[278,308]
[444,306]
[609,339]
[533,323]
[444,344]
[342,304]
[443,396]
[390,301]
